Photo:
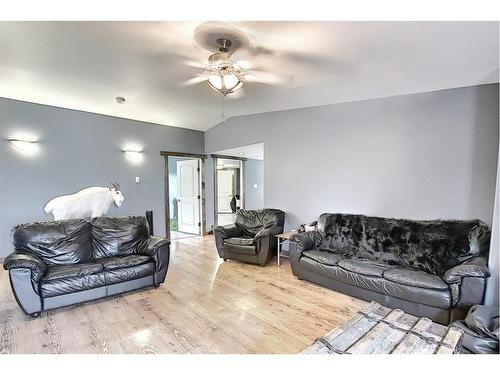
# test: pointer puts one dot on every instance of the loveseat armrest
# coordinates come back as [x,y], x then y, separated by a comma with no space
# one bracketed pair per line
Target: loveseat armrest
[157,248]
[475,267]
[151,246]
[268,232]
[305,241]
[228,231]
[28,260]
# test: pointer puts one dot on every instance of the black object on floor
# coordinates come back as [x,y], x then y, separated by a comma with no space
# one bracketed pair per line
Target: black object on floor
[149,218]
[481,330]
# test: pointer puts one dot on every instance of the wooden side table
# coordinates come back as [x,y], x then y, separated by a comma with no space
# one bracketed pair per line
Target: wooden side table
[282,238]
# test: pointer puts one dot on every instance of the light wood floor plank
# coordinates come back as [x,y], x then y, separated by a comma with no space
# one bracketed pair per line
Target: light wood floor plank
[205,306]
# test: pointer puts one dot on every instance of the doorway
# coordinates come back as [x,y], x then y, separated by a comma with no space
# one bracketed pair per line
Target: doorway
[184,195]
[229,189]
[238,181]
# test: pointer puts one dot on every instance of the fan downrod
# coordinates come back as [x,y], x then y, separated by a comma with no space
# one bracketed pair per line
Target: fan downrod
[224,44]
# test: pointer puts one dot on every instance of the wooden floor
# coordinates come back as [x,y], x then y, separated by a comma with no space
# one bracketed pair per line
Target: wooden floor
[205,306]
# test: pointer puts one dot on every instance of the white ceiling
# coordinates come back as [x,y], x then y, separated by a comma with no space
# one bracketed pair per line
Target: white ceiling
[254,151]
[85,65]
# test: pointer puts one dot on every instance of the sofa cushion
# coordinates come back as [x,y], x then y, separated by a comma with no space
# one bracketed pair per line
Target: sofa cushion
[439,298]
[415,278]
[56,242]
[56,287]
[364,267]
[73,270]
[323,256]
[59,286]
[115,236]
[114,263]
[130,273]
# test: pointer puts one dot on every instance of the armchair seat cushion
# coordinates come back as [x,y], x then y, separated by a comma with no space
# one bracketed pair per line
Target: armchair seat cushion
[240,245]
[114,263]
[415,278]
[240,241]
[73,270]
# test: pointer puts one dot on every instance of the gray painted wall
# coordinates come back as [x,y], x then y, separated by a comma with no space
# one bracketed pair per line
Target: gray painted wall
[254,174]
[78,150]
[421,156]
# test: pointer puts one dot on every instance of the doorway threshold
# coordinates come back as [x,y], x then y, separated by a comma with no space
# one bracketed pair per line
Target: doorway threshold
[175,235]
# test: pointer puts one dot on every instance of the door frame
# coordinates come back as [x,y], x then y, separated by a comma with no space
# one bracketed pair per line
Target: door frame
[202,159]
[242,182]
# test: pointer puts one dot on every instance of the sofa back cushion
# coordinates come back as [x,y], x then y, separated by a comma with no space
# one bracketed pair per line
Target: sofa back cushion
[252,221]
[433,246]
[113,236]
[56,242]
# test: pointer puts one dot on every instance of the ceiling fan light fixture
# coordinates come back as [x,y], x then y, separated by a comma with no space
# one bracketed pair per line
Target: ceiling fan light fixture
[225,83]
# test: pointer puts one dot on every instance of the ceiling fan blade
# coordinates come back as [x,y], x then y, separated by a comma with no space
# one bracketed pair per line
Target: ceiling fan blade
[240,93]
[244,64]
[194,80]
[264,77]
[195,64]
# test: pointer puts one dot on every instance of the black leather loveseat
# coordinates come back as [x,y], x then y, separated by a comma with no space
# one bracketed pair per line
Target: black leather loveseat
[60,263]
[435,269]
[251,238]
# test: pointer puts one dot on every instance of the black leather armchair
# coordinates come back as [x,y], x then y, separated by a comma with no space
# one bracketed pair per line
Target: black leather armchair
[60,263]
[251,239]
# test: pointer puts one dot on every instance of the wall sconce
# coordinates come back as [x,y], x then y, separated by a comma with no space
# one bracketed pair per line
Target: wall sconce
[28,148]
[134,156]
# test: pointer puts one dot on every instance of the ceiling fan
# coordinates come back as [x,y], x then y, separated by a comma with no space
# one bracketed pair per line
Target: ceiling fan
[221,72]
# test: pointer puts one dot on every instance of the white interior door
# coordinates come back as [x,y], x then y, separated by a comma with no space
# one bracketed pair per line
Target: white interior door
[188,184]
[225,188]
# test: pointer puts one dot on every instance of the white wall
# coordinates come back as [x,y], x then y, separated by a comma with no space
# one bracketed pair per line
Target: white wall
[493,290]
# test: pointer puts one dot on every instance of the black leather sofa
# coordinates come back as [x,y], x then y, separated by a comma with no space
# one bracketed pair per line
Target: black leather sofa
[251,238]
[61,263]
[436,269]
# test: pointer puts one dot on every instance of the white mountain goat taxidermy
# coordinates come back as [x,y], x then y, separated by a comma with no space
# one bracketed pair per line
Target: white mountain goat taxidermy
[86,203]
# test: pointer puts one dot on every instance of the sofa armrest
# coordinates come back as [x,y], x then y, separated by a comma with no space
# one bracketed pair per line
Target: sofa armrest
[151,246]
[305,241]
[228,231]
[29,260]
[268,232]
[475,267]
[157,248]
